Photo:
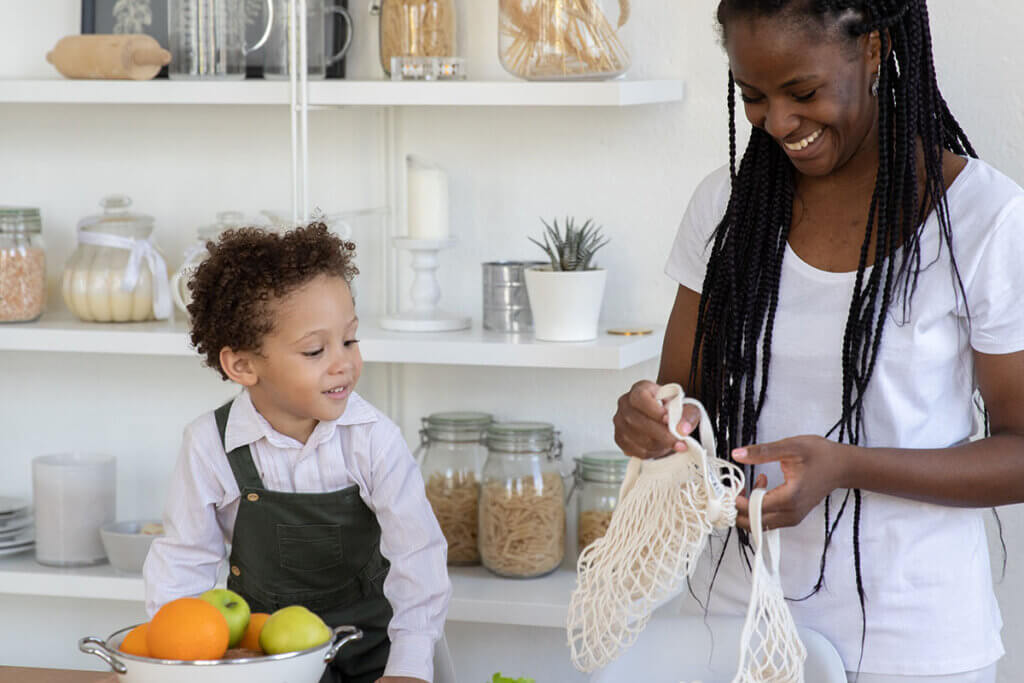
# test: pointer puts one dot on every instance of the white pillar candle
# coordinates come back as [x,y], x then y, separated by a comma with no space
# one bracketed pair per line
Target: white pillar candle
[427,200]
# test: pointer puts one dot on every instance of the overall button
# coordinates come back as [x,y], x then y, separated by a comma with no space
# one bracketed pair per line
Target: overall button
[253,497]
[235,570]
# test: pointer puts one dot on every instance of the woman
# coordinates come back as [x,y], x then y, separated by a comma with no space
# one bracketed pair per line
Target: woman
[842,294]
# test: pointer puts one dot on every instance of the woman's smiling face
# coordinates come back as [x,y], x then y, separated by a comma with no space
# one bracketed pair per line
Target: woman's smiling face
[809,90]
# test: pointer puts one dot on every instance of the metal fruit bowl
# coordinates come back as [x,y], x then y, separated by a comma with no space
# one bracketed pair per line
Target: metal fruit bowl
[305,666]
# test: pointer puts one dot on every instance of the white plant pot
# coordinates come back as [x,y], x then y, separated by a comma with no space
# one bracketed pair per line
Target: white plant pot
[566,305]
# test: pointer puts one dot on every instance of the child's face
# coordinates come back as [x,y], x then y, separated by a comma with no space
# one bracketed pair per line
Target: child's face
[310,362]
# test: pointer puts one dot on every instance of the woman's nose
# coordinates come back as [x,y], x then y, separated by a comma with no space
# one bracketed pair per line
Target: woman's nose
[780,121]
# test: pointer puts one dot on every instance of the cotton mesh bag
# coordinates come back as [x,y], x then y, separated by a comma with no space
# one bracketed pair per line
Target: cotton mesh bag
[666,510]
[770,647]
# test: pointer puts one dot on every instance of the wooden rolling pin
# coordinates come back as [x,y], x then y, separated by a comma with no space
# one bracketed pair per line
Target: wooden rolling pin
[134,56]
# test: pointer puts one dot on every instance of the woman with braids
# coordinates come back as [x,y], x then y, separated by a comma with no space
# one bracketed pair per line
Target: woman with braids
[845,288]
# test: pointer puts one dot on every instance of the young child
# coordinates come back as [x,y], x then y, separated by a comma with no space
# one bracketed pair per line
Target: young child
[314,487]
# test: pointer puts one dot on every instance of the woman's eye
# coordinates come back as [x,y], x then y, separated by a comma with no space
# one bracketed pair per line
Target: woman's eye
[749,99]
[804,98]
[350,342]
[312,354]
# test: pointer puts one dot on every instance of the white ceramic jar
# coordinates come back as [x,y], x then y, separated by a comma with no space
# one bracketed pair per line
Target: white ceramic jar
[116,274]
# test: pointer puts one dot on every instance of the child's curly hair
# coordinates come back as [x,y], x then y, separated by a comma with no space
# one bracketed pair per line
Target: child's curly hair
[247,271]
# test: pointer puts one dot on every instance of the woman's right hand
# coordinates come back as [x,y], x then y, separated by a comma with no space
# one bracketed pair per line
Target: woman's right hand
[641,423]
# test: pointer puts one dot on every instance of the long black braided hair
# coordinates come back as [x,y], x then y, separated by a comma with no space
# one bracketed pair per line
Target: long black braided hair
[740,293]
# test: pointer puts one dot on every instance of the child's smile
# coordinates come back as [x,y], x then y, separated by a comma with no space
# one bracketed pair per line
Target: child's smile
[310,360]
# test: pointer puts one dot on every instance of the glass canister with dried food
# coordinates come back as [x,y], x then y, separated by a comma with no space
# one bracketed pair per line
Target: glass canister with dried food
[522,500]
[599,478]
[554,40]
[451,457]
[116,274]
[415,28]
[22,264]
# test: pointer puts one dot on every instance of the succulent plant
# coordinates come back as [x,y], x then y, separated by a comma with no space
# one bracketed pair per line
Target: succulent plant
[575,249]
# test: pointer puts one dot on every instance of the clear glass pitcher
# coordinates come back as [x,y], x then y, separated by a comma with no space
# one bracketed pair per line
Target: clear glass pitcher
[207,38]
[276,54]
[554,40]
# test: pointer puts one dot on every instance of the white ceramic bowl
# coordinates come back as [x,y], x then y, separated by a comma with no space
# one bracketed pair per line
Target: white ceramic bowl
[126,547]
[306,666]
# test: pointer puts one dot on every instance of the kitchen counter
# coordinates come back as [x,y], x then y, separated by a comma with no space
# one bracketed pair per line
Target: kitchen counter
[17,674]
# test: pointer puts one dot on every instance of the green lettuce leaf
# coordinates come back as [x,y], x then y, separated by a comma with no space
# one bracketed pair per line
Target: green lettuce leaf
[498,678]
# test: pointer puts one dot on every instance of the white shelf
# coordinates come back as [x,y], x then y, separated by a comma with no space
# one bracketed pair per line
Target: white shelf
[343,93]
[478,596]
[60,332]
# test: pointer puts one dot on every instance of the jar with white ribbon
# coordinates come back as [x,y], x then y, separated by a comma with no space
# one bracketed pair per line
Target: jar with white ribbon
[116,274]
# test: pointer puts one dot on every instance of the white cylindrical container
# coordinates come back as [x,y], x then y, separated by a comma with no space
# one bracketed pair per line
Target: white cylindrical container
[566,305]
[427,192]
[74,495]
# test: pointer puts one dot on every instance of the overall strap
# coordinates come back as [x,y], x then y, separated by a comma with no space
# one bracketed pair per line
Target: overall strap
[240,459]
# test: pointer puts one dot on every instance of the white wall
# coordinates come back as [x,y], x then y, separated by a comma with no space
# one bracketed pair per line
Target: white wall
[631,169]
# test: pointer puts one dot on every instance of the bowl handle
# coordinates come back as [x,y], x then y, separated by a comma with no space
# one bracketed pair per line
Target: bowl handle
[353,634]
[95,646]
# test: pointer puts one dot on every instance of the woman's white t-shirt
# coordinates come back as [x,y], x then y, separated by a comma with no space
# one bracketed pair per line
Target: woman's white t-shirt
[929,604]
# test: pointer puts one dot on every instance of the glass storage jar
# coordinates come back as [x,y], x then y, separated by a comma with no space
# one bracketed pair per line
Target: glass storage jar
[522,500]
[451,457]
[555,40]
[197,252]
[22,264]
[415,28]
[116,274]
[599,478]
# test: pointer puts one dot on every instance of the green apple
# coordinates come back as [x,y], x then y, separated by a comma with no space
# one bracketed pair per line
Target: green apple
[291,629]
[234,608]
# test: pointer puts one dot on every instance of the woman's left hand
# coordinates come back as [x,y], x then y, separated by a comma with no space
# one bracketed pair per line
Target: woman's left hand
[812,467]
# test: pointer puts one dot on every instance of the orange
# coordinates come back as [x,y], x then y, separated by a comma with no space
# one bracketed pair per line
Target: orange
[251,638]
[135,642]
[189,629]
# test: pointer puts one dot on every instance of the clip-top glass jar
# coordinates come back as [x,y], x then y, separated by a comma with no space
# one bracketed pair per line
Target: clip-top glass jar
[522,500]
[451,457]
[22,264]
[415,28]
[195,253]
[599,478]
[555,40]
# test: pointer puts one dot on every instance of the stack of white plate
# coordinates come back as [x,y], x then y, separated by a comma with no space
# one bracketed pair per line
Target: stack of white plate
[16,531]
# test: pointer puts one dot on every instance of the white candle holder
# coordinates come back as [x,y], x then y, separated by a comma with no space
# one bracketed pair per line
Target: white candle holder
[425,291]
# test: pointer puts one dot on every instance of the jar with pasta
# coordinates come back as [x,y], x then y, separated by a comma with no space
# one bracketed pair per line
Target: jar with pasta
[451,457]
[522,500]
[555,40]
[599,478]
[22,264]
[415,28]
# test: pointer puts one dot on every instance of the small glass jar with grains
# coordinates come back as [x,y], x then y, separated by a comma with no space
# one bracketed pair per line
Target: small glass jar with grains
[22,264]
[522,500]
[451,457]
[599,478]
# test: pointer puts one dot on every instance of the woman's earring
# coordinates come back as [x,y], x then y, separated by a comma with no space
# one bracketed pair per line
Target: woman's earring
[875,83]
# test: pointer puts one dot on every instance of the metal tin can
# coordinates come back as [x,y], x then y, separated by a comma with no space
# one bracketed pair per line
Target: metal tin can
[506,303]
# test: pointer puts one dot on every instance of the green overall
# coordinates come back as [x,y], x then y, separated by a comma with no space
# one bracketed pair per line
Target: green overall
[319,550]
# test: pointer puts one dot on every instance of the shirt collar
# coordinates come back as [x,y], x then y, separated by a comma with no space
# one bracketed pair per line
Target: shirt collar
[246,426]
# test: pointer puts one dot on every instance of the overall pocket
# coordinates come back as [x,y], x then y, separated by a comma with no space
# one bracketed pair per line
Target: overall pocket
[309,547]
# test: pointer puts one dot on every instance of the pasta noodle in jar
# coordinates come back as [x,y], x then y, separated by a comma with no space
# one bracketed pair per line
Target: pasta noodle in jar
[415,28]
[600,476]
[522,500]
[451,456]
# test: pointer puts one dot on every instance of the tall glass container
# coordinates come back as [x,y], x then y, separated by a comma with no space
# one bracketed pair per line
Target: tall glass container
[207,38]
[522,500]
[451,457]
[599,478]
[22,264]
[415,28]
[554,40]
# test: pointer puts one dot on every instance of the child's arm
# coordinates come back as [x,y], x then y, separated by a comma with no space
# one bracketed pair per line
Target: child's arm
[184,561]
[417,585]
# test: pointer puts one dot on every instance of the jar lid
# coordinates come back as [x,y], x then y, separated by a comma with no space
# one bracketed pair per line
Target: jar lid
[607,467]
[456,425]
[116,218]
[225,221]
[20,219]
[522,437]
